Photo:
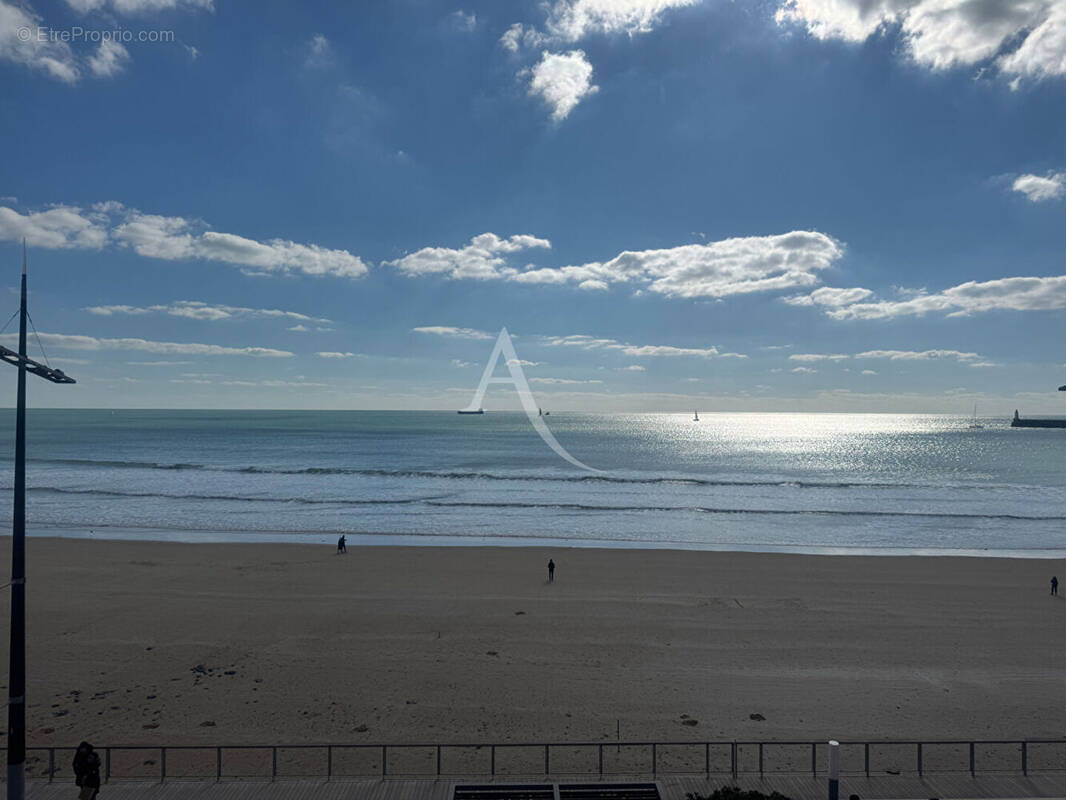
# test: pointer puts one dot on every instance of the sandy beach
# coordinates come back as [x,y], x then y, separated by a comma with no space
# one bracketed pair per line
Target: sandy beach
[140,642]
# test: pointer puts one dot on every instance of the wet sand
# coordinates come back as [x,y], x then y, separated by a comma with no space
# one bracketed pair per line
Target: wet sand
[141,643]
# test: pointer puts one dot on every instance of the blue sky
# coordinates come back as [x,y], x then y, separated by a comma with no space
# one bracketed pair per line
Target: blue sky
[781,205]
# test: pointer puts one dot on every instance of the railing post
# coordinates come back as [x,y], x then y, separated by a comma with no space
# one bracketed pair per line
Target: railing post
[707,758]
[107,764]
[547,762]
[834,770]
[733,759]
[438,760]
[654,758]
[162,765]
[384,762]
[973,765]
[919,759]
[273,764]
[601,760]
[492,758]
[51,763]
[218,764]
[866,757]
[760,760]
[329,762]
[814,759]
[1025,759]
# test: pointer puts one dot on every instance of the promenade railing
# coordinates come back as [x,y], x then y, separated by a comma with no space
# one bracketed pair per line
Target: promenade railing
[600,759]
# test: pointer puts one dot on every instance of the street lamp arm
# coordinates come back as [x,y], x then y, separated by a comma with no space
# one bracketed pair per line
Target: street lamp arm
[35,367]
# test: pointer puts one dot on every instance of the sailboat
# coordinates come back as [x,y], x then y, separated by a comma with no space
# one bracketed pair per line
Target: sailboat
[695,416]
[975,425]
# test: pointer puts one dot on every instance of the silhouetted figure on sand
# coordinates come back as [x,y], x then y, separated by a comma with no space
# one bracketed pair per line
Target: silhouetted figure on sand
[341,546]
[551,571]
[1054,584]
[87,771]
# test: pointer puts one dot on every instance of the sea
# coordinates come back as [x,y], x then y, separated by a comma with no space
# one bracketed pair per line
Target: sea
[809,483]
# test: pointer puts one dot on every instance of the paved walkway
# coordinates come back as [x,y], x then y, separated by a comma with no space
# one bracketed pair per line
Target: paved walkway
[1014,787]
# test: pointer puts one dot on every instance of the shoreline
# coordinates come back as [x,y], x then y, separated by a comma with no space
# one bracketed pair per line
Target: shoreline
[193,644]
[382,539]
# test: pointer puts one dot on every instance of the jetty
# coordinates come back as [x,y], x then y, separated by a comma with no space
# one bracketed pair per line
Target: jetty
[1020,422]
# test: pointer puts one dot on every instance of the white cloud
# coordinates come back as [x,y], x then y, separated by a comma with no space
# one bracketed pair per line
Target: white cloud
[462,21]
[62,341]
[319,53]
[60,227]
[338,355]
[633,368]
[571,20]
[869,372]
[516,36]
[76,361]
[563,80]
[1013,294]
[1042,53]
[197,309]
[649,351]
[818,357]
[804,370]
[827,296]
[109,59]
[715,269]
[1027,38]
[37,51]
[172,239]
[300,329]
[139,6]
[559,381]
[1039,189]
[482,259]
[659,350]
[25,39]
[457,333]
[919,355]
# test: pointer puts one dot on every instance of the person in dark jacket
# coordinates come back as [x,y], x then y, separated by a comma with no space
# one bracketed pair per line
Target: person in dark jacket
[87,771]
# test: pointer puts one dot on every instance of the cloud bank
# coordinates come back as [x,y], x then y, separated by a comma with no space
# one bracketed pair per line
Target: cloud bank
[171,239]
[716,269]
[972,297]
[1019,38]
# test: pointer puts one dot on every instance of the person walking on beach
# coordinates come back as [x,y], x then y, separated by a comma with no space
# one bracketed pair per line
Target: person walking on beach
[1054,584]
[551,571]
[87,771]
[341,546]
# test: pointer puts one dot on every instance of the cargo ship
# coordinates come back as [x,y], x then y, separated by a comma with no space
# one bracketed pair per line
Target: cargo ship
[1019,422]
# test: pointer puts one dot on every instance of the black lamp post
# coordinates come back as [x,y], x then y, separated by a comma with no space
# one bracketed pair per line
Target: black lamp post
[16,709]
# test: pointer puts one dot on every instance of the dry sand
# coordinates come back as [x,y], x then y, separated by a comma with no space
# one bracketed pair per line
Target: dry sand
[187,644]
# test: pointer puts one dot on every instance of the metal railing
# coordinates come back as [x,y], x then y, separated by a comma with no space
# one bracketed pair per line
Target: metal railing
[602,759]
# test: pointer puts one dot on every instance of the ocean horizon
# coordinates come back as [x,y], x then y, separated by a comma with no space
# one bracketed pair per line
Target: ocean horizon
[811,482]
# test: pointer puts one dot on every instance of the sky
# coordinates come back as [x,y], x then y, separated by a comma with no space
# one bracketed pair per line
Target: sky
[775,205]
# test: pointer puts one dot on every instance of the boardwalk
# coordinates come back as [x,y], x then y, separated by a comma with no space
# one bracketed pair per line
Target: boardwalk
[672,788]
